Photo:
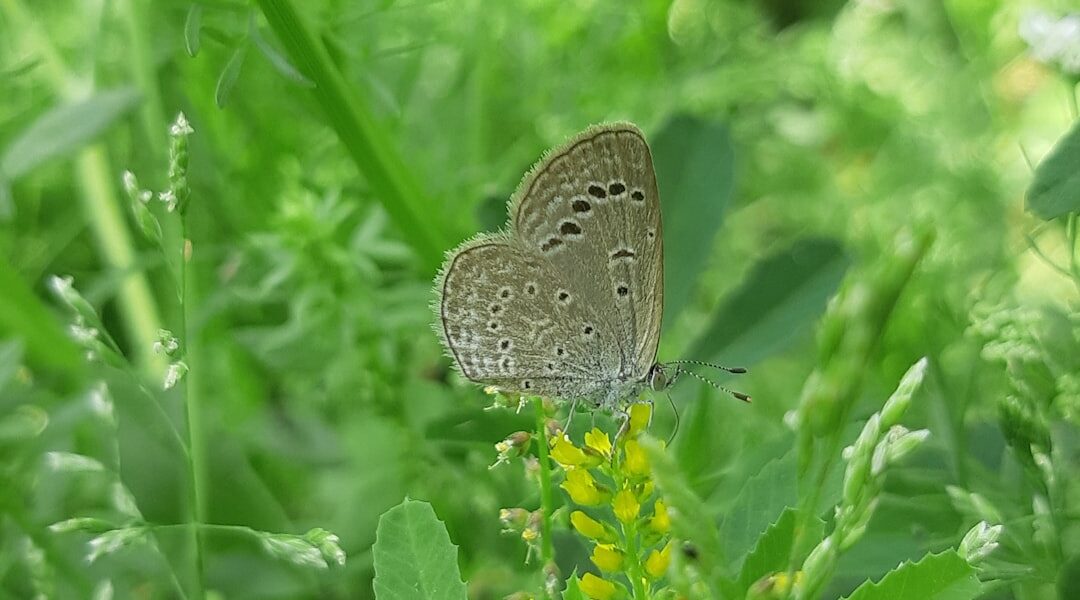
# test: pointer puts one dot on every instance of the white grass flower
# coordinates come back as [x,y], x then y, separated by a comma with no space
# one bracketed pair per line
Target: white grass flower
[174,374]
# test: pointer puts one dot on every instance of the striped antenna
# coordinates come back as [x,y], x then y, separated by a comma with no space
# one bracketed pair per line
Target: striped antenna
[738,395]
[735,370]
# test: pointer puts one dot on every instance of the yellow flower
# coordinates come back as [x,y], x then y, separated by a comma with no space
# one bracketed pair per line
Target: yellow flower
[566,453]
[657,563]
[636,462]
[661,520]
[639,418]
[597,588]
[589,527]
[626,506]
[599,441]
[582,488]
[607,557]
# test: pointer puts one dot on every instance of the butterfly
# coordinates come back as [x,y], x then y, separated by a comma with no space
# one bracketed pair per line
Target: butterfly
[566,301]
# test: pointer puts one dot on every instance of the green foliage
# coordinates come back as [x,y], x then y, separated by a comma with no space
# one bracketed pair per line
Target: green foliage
[63,129]
[847,187]
[1055,189]
[781,294]
[943,576]
[414,559]
[695,172]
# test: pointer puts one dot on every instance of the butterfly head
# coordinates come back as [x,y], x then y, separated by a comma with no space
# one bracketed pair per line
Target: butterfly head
[657,378]
[662,375]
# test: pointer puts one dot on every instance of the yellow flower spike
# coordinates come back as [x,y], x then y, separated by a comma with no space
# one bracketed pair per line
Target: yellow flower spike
[599,441]
[607,557]
[639,418]
[647,490]
[657,562]
[566,453]
[635,462]
[596,588]
[590,528]
[626,506]
[582,488]
[661,520]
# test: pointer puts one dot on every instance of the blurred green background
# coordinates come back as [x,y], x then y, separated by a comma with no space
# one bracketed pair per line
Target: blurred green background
[339,148]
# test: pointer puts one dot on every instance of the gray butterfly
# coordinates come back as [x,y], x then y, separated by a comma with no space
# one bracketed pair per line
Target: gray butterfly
[566,302]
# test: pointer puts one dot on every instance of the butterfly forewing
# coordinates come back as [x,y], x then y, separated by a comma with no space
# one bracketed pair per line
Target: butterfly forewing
[568,302]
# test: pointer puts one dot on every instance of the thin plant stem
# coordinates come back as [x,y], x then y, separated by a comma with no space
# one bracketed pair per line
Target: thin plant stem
[194,423]
[1074,104]
[547,502]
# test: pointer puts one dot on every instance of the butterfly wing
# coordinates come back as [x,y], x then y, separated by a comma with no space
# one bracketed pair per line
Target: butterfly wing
[591,209]
[568,302]
[506,323]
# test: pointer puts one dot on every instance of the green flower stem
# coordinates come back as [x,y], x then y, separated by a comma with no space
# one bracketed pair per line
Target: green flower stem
[368,143]
[194,422]
[633,561]
[547,501]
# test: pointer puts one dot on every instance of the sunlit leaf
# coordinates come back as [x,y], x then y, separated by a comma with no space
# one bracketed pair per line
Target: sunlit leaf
[943,576]
[64,129]
[414,559]
[1055,191]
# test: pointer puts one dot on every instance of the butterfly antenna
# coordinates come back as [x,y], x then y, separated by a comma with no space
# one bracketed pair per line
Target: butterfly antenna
[676,411]
[735,370]
[738,395]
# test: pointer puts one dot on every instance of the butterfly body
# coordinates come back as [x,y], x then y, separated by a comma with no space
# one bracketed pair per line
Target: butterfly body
[566,302]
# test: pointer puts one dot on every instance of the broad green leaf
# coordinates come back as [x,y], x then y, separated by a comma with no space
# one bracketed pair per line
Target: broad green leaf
[773,550]
[192,26]
[63,129]
[414,558]
[690,520]
[695,170]
[227,80]
[760,502]
[780,299]
[1055,191]
[943,576]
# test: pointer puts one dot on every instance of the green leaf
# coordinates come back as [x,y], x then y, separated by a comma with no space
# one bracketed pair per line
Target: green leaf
[781,297]
[279,62]
[690,520]
[760,502]
[695,170]
[573,590]
[1055,191]
[63,129]
[773,549]
[943,576]
[414,559]
[227,80]
[192,25]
